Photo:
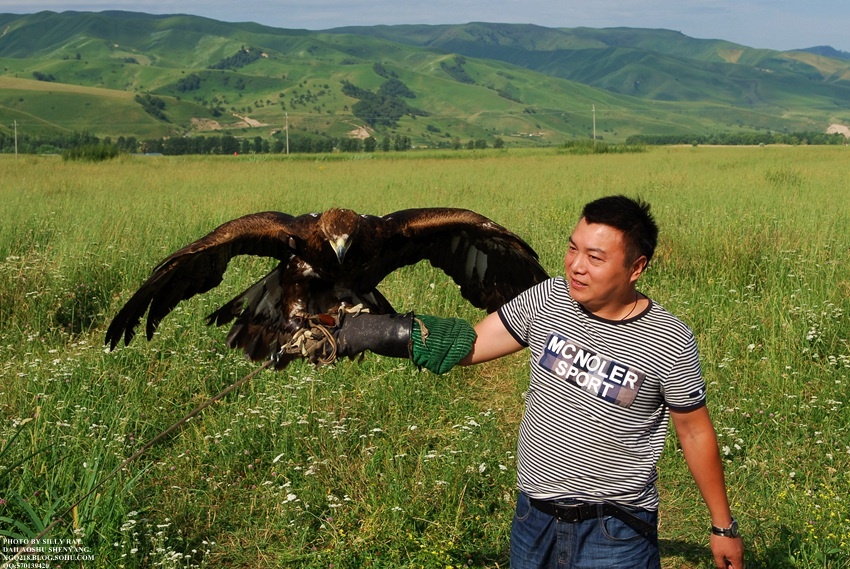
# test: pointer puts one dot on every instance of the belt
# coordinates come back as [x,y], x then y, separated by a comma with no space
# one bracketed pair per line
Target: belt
[574,513]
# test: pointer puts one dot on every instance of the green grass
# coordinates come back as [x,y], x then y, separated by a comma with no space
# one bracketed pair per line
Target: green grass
[47,108]
[373,463]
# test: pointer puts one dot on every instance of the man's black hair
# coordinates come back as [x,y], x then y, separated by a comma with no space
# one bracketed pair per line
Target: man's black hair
[632,217]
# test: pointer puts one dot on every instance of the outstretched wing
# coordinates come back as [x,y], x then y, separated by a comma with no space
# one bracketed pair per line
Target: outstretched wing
[199,267]
[490,263]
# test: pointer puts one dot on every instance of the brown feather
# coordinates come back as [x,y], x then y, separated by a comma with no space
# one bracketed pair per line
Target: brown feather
[327,260]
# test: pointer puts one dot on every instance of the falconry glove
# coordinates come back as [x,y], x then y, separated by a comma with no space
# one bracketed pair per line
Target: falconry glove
[432,342]
[322,338]
[384,334]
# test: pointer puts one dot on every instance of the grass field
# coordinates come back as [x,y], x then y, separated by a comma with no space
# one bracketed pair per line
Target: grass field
[374,464]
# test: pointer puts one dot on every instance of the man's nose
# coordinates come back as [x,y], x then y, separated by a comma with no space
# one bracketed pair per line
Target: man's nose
[574,263]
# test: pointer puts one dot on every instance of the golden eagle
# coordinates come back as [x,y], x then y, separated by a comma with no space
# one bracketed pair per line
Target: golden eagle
[327,261]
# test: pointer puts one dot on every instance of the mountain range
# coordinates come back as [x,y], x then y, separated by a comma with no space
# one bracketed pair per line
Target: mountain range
[133,74]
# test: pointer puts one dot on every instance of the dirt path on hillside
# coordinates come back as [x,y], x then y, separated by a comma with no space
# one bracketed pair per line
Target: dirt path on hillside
[839,128]
[248,121]
[210,124]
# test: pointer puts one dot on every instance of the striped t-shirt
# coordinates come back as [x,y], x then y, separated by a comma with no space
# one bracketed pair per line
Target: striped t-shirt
[598,403]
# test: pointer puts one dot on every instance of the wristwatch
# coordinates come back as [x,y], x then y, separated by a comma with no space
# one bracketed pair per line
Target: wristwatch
[731,531]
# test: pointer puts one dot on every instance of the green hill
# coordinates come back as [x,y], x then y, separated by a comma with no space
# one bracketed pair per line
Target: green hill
[132,74]
[653,64]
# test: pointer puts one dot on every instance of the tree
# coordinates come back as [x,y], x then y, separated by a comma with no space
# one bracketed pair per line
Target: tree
[154,106]
[349,145]
[401,143]
[189,83]
[395,88]
[229,144]
[384,108]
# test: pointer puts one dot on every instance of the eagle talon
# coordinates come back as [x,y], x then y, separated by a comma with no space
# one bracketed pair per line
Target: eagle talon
[314,341]
[354,310]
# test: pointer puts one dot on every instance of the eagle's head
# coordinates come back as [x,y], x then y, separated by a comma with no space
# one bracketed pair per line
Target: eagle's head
[339,227]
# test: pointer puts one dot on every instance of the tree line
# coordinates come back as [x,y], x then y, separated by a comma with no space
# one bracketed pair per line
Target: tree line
[740,139]
[89,146]
[85,145]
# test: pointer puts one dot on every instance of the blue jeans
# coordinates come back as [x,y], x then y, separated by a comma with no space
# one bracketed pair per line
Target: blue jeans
[539,541]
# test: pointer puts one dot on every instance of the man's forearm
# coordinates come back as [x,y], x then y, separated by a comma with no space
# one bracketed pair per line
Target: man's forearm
[699,445]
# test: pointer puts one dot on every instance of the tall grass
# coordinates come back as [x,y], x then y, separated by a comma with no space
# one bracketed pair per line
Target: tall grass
[373,463]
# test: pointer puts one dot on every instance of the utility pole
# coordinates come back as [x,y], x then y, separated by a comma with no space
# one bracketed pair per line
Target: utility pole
[594,125]
[287,132]
[16,140]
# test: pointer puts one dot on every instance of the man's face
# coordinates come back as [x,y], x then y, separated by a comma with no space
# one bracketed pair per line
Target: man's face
[595,266]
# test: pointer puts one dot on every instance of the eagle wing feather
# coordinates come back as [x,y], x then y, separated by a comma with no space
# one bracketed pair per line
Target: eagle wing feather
[199,267]
[490,263]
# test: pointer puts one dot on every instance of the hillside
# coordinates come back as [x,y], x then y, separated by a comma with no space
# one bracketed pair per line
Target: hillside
[828,51]
[133,74]
[651,64]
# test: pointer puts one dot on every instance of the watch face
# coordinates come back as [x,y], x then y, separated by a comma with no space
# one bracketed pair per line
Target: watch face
[731,531]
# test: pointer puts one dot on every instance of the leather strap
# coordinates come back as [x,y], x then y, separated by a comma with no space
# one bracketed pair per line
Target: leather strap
[574,513]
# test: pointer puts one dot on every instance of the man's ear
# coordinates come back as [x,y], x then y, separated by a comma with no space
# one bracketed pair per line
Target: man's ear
[638,266]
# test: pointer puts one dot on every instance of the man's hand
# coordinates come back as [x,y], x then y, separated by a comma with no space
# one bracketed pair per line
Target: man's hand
[727,551]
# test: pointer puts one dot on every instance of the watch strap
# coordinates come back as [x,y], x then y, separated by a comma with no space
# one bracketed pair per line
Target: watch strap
[731,531]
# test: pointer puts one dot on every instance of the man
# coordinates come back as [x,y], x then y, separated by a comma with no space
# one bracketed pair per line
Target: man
[608,367]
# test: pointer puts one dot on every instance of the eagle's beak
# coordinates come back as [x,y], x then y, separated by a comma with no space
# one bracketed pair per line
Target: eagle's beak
[340,246]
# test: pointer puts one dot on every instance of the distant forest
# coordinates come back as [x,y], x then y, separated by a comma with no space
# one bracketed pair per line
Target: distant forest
[741,139]
[176,146]
[304,143]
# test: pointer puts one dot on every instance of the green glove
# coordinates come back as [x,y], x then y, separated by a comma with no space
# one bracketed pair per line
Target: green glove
[440,343]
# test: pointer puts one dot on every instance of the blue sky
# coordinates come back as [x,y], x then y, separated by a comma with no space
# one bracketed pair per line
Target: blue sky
[773,24]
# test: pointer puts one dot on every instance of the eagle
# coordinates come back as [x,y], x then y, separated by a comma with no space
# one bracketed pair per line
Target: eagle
[328,261]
